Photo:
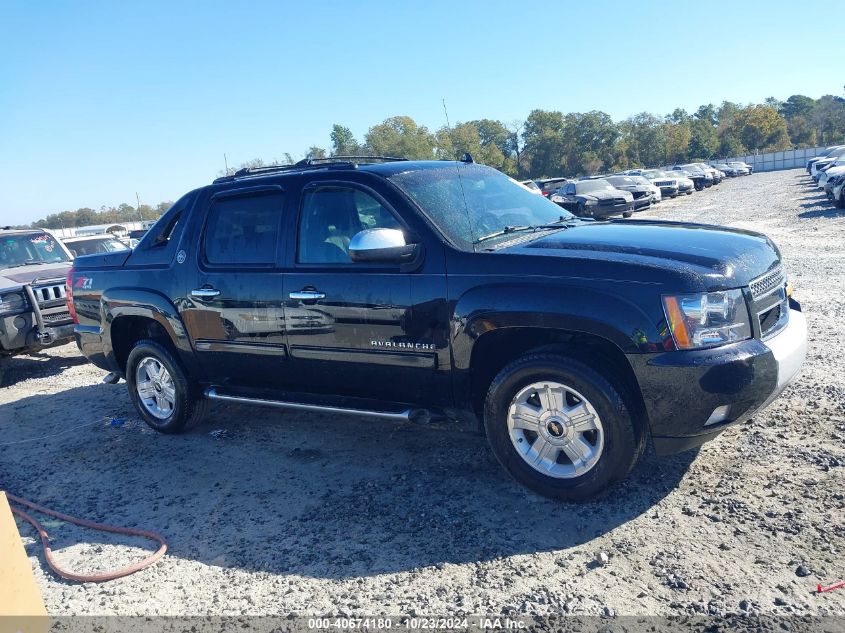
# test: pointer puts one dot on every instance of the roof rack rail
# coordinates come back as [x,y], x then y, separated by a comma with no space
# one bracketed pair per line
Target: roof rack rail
[305,163]
[351,159]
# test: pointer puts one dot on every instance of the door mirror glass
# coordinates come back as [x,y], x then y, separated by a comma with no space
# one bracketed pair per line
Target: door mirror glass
[381,245]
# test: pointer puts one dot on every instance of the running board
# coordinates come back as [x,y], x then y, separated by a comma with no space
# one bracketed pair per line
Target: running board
[407,415]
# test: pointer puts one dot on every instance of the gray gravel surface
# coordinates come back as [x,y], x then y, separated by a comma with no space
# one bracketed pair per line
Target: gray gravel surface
[273,513]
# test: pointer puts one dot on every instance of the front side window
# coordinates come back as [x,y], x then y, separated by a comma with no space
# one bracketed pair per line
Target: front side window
[331,216]
[243,230]
[468,202]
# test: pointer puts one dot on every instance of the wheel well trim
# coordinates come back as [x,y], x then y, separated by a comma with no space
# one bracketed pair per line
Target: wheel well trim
[119,303]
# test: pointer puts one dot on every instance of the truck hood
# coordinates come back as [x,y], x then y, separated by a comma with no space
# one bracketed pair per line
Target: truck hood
[719,257]
[17,277]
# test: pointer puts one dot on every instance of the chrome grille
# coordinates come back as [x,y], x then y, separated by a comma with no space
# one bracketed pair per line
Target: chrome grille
[49,293]
[764,284]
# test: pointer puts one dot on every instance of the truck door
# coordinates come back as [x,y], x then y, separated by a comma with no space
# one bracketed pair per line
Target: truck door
[235,314]
[362,329]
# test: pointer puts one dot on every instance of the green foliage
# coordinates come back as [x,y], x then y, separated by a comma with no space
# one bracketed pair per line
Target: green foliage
[400,136]
[761,127]
[343,142]
[106,215]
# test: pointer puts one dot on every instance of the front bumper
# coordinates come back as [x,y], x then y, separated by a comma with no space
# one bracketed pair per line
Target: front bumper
[692,396]
[20,333]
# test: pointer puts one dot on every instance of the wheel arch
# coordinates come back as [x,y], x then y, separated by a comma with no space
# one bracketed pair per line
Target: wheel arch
[131,314]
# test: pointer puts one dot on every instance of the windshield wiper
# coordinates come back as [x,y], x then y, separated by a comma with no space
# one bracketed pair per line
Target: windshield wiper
[563,222]
[505,231]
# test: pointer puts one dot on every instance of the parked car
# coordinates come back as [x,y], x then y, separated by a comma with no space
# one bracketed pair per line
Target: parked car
[550,185]
[823,163]
[574,344]
[730,172]
[827,152]
[92,244]
[656,193]
[532,187]
[594,198]
[642,193]
[33,310]
[699,178]
[831,171]
[667,182]
[714,173]
[743,169]
[838,192]
[832,182]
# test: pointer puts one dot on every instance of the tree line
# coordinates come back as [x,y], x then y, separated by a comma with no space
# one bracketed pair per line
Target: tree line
[551,143]
[105,215]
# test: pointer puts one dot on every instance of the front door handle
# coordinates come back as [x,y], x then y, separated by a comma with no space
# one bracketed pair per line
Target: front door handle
[308,295]
[204,293]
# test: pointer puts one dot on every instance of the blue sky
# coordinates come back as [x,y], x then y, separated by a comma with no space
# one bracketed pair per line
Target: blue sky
[99,100]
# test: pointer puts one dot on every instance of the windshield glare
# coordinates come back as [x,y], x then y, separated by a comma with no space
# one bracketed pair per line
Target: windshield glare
[467,202]
[622,180]
[30,248]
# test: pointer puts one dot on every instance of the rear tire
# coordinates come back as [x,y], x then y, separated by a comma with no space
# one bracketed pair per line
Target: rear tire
[163,395]
[577,396]
[627,214]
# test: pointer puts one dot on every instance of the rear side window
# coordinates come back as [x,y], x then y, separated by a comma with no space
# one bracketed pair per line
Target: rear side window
[243,230]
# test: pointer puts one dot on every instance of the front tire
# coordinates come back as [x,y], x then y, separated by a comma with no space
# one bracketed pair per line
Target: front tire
[160,390]
[559,427]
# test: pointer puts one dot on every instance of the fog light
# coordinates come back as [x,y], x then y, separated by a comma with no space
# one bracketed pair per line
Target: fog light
[720,414]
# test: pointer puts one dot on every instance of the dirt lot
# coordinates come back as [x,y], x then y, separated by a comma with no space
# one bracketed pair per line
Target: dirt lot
[272,513]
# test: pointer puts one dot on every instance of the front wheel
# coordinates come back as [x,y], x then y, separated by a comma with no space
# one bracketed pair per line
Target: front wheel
[161,392]
[559,427]
[627,214]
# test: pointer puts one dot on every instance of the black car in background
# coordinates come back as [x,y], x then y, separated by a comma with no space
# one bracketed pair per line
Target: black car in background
[699,177]
[641,193]
[594,198]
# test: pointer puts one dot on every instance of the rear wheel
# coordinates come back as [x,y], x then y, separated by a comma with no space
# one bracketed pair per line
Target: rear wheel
[627,214]
[559,427]
[160,390]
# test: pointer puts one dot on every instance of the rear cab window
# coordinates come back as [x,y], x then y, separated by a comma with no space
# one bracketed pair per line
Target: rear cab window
[242,229]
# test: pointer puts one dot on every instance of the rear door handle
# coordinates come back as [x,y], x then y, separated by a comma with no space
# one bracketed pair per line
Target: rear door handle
[307,295]
[204,293]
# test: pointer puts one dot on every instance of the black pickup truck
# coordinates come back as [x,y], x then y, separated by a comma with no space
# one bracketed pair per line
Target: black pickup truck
[444,291]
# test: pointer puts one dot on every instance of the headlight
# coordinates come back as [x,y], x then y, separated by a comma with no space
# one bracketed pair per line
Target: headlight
[708,319]
[12,302]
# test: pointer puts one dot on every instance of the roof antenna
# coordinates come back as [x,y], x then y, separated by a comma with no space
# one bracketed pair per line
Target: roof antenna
[461,180]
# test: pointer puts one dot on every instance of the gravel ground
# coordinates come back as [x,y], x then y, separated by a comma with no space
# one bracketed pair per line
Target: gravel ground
[272,513]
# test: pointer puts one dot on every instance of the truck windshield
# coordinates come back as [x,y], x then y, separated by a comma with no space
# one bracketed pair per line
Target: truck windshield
[25,249]
[467,202]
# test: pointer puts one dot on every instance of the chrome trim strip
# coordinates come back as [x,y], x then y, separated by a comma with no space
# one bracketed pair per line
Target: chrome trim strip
[203,345]
[212,394]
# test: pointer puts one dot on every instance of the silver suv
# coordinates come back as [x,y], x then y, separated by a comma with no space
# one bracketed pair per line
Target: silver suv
[33,310]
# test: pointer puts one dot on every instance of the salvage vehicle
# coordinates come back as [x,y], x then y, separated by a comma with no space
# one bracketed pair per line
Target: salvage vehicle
[699,178]
[730,172]
[838,192]
[667,182]
[656,193]
[642,193]
[548,186]
[594,198]
[532,186]
[33,310]
[92,244]
[742,168]
[827,152]
[454,295]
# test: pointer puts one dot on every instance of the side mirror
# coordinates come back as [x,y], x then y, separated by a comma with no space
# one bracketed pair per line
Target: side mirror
[382,245]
